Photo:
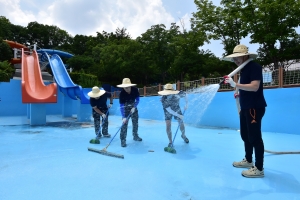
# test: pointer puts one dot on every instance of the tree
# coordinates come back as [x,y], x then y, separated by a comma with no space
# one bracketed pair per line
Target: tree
[6,71]
[121,34]
[5,31]
[79,46]
[19,34]
[38,34]
[5,51]
[272,24]
[290,54]
[121,59]
[156,46]
[186,54]
[58,38]
[81,62]
[220,23]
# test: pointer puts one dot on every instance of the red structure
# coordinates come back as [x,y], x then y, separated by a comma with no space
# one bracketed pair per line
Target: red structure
[33,88]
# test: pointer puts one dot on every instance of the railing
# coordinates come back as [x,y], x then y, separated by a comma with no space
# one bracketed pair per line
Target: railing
[280,78]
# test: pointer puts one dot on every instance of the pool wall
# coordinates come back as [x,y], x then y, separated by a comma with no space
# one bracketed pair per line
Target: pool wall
[282,114]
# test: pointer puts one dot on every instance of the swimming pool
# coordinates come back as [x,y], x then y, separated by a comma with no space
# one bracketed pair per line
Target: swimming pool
[52,162]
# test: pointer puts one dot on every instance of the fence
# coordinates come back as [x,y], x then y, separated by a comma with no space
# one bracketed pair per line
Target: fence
[279,78]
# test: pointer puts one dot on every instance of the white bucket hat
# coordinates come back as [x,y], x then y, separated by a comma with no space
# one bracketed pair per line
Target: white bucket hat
[126,83]
[239,50]
[168,89]
[96,92]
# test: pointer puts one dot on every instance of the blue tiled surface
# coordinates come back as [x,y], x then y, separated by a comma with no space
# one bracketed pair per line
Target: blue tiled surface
[52,162]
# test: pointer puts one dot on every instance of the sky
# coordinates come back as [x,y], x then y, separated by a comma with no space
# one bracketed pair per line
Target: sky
[91,16]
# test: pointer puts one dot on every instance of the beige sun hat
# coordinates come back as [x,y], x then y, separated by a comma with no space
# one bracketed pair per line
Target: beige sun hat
[126,83]
[96,92]
[168,89]
[239,50]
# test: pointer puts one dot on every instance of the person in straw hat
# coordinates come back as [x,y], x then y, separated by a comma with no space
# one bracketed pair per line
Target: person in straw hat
[98,100]
[252,105]
[170,102]
[129,99]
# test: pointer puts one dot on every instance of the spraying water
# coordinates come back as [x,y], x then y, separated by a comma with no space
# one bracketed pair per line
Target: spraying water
[199,99]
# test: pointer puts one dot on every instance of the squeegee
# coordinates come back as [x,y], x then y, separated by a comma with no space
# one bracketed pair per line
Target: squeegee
[106,153]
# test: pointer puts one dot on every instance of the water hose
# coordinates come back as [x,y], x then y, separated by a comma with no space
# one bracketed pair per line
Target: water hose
[239,108]
[236,70]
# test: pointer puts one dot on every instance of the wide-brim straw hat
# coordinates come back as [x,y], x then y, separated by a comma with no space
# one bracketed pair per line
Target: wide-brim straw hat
[239,50]
[96,92]
[126,83]
[168,89]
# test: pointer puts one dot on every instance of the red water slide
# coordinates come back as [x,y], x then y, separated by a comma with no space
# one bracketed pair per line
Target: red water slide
[16,45]
[33,88]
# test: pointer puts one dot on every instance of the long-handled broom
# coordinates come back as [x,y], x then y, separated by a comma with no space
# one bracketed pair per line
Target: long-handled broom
[104,152]
[171,148]
[96,140]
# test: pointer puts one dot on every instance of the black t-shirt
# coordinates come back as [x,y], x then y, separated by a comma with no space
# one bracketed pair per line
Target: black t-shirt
[129,99]
[101,103]
[249,99]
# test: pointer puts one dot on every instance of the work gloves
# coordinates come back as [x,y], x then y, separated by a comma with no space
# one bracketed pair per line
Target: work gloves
[230,81]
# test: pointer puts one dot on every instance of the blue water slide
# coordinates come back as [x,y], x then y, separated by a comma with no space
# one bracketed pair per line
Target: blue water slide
[58,52]
[65,83]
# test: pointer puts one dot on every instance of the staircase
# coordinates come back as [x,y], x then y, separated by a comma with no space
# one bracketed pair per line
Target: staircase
[18,74]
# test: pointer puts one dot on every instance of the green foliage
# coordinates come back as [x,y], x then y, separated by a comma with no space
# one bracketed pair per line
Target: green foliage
[19,34]
[163,55]
[46,36]
[155,42]
[5,25]
[5,51]
[88,80]
[220,23]
[84,80]
[188,62]
[272,24]
[80,62]
[6,71]
[122,59]
[79,44]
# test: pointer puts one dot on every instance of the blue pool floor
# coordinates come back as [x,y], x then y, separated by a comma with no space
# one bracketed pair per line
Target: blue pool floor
[53,162]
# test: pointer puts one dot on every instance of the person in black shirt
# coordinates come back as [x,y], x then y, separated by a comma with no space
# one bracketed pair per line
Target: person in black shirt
[98,100]
[129,99]
[252,109]
[170,102]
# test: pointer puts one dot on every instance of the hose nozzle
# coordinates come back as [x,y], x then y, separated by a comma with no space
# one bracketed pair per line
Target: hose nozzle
[223,81]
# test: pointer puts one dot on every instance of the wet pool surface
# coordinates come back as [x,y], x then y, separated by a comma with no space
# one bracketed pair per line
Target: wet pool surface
[53,162]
